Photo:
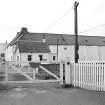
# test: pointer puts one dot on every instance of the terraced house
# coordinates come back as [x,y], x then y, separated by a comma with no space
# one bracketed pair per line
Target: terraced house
[48,48]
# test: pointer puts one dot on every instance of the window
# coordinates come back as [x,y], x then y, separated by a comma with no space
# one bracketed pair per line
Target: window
[41,57]
[2,55]
[65,48]
[54,58]
[29,57]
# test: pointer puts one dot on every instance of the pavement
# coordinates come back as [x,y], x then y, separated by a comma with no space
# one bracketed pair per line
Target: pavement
[49,94]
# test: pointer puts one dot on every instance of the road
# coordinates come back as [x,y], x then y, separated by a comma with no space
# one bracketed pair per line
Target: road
[50,94]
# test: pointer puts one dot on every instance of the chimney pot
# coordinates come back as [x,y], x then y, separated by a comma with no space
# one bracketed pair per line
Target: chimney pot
[44,38]
[24,30]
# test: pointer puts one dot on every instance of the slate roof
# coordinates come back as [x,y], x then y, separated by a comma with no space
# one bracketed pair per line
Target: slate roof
[22,32]
[61,39]
[33,47]
[64,39]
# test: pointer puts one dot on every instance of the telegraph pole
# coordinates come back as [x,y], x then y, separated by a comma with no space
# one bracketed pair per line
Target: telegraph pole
[76,31]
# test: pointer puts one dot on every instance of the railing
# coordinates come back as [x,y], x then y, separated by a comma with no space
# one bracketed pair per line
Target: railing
[86,74]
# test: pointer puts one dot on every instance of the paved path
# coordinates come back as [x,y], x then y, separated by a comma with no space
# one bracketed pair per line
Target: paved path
[50,94]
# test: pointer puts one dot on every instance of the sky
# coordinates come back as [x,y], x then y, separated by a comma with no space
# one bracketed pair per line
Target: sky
[49,16]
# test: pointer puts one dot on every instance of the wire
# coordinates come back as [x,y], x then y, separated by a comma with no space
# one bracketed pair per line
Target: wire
[60,18]
[92,28]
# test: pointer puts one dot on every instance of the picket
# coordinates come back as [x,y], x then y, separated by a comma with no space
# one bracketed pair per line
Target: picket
[87,74]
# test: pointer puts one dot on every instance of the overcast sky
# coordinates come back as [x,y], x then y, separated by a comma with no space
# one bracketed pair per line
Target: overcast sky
[42,16]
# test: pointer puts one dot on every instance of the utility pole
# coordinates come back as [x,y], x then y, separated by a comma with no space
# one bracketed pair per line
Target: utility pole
[76,31]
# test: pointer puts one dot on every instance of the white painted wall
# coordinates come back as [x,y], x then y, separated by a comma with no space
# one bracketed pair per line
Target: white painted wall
[35,57]
[101,53]
[85,52]
[9,54]
[17,57]
[64,52]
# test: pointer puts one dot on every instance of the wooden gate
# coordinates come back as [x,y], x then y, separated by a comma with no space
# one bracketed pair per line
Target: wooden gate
[17,74]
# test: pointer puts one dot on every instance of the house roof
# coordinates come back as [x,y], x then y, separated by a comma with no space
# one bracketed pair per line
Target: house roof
[33,47]
[19,35]
[61,39]
[64,39]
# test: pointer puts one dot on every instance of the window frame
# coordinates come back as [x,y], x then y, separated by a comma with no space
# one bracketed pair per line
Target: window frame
[54,58]
[41,57]
[29,57]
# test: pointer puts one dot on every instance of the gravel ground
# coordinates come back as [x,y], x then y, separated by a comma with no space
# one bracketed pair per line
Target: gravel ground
[49,94]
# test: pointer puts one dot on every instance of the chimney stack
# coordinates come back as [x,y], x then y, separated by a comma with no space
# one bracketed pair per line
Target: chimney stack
[24,30]
[44,38]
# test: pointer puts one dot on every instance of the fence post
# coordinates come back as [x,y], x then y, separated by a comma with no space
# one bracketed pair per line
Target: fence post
[34,74]
[67,73]
[6,73]
[61,72]
[36,70]
[104,76]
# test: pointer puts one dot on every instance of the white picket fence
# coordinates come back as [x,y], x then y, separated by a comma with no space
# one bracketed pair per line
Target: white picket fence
[85,74]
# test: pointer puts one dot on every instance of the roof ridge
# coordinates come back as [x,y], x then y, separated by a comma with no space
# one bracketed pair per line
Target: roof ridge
[29,41]
[63,34]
